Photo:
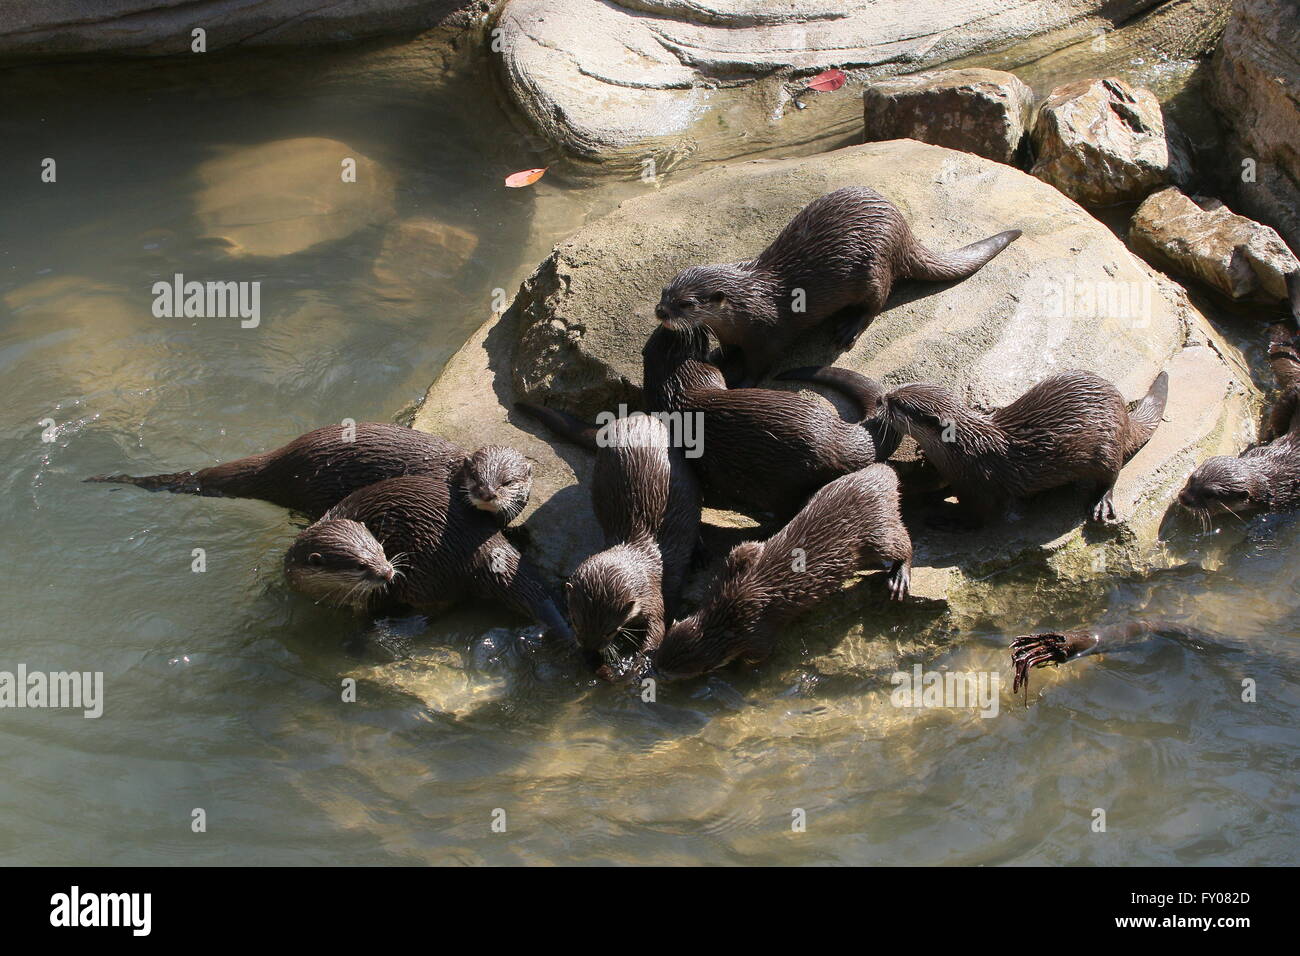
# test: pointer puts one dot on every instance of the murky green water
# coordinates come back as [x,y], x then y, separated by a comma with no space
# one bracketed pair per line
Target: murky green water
[223,689]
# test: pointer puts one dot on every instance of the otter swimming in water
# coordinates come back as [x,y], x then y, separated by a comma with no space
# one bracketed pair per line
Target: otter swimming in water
[647,500]
[1071,427]
[765,449]
[317,470]
[849,524]
[409,542]
[837,259]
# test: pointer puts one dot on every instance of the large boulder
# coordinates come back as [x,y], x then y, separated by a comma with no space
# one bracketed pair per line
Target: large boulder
[51,28]
[1255,85]
[1207,241]
[676,82]
[1067,294]
[1103,142]
[985,112]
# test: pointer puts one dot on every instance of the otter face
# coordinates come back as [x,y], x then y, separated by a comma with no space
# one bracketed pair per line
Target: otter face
[498,480]
[920,408]
[697,294]
[690,649]
[608,595]
[338,561]
[1218,485]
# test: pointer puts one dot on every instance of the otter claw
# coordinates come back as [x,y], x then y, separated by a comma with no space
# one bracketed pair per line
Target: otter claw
[900,582]
[1035,650]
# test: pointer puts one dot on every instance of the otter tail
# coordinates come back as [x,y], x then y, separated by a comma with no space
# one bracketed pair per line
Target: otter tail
[180,483]
[865,391]
[958,264]
[562,423]
[1147,414]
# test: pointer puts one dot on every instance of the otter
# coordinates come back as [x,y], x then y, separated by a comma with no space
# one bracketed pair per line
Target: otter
[763,449]
[850,523]
[1040,650]
[647,501]
[1071,427]
[317,470]
[409,542]
[837,259]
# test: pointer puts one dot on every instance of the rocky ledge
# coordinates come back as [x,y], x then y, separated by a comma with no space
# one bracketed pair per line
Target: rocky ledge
[1068,294]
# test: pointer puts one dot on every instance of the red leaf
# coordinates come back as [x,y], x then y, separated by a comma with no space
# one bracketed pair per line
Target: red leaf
[525,177]
[828,81]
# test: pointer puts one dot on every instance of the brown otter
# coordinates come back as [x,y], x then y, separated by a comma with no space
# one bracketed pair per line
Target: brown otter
[410,542]
[838,258]
[317,470]
[848,524]
[1071,427]
[647,501]
[764,449]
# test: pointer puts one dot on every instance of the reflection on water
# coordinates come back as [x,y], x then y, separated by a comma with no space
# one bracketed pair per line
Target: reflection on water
[224,691]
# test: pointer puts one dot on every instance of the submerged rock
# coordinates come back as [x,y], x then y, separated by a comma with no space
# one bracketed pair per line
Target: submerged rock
[1210,243]
[278,198]
[419,256]
[1103,142]
[1067,294]
[985,112]
[1255,86]
[624,83]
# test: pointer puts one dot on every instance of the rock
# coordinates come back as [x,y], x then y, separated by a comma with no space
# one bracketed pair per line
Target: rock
[1067,294]
[1236,255]
[985,112]
[57,28]
[679,83]
[418,256]
[1103,142]
[278,198]
[1255,86]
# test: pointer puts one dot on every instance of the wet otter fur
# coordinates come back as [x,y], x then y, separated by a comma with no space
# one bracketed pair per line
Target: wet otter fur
[849,524]
[843,252]
[763,449]
[317,470]
[1071,427]
[409,542]
[647,500]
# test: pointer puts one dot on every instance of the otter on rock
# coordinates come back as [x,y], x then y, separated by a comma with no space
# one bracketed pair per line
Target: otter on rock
[647,501]
[837,259]
[849,524]
[1071,427]
[409,542]
[317,470]
[765,449]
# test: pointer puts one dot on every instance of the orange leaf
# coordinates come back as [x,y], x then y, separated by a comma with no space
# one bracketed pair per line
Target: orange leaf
[828,81]
[525,177]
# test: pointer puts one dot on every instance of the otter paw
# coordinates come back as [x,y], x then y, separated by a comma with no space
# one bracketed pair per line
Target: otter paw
[1103,512]
[1035,650]
[900,581]
[848,330]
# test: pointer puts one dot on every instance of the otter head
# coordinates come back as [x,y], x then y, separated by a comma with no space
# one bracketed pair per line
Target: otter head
[612,594]
[722,630]
[498,480]
[920,408]
[708,294]
[1222,484]
[339,561]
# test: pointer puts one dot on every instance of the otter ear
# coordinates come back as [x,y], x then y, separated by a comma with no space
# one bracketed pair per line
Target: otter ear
[742,557]
[717,297]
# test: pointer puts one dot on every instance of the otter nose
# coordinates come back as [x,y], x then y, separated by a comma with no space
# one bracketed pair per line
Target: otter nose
[661,313]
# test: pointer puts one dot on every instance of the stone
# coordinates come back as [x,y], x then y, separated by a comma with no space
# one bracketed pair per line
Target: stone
[1254,84]
[1067,294]
[1208,242]
[418,256]
[985,112]
[1103,142]
[32,29]
[278,198]
[622,83]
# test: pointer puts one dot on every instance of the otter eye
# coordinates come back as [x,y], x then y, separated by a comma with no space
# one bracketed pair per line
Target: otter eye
[717,297]
[686,304]
[315,560]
